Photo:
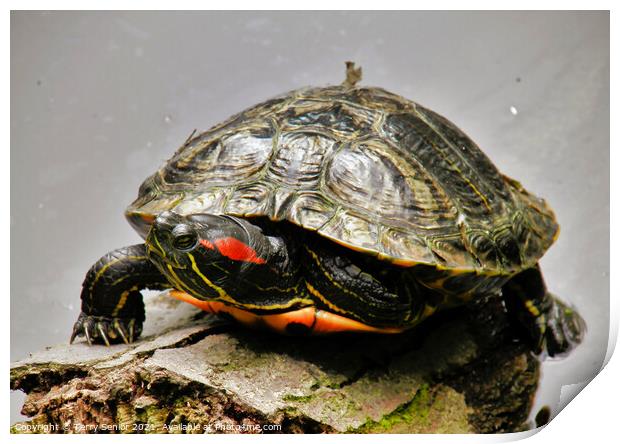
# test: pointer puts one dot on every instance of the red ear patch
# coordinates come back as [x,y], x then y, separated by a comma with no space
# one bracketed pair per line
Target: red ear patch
[205,243]
[237,250]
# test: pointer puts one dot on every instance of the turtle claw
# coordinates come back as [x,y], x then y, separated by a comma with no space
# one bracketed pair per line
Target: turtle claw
[105,330]
[120,329]
[102,334]
[75,333]
[90,342]
[131,329]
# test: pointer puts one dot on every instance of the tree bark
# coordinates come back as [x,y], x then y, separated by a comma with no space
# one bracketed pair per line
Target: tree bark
[462,371]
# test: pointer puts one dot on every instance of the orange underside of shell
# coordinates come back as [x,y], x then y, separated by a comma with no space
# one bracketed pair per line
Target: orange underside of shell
[318,322]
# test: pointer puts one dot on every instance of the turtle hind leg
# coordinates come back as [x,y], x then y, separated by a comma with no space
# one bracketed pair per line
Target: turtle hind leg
[112,305]
[565,327]
[547,321]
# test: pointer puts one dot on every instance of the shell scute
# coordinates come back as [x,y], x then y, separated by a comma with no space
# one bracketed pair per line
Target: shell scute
[298,161]
[249,199]
[311,210]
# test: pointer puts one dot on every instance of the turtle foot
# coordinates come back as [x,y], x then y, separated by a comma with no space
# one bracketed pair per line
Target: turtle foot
[565,328]
[106,330]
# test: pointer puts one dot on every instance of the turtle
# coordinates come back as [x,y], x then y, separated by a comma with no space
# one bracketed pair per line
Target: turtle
[339,208]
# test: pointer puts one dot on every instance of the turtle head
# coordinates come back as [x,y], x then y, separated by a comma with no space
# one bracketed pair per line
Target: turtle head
[202,254]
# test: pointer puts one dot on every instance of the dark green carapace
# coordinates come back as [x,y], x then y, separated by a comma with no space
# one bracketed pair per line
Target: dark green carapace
[330,209]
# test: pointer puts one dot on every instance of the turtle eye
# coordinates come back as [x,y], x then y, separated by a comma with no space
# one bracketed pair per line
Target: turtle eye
[184,238]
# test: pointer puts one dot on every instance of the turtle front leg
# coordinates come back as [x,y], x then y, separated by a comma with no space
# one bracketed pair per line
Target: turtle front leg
[548,321]
[112,305]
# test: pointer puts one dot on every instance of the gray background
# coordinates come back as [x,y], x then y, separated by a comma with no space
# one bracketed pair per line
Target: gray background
[100,100]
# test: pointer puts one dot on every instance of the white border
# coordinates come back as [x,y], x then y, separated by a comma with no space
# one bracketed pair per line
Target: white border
[314,5]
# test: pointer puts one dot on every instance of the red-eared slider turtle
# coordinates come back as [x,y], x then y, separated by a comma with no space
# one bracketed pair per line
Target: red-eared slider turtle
[341,208]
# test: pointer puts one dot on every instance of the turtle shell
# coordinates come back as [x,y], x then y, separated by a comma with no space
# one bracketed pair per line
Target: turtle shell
[365,168]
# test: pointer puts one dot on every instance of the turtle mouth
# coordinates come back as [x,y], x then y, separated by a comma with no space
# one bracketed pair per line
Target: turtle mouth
[157,256]
[175,265]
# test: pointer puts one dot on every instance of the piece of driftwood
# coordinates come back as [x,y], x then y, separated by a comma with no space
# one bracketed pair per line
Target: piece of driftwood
[461,371]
